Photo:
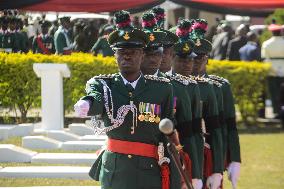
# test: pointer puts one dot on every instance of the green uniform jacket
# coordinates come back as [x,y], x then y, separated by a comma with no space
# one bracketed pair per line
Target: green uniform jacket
[102,47]
[183,119]
[47,42]
[230,133]
[8,40]
[210,115]
[120,171]
[60,41]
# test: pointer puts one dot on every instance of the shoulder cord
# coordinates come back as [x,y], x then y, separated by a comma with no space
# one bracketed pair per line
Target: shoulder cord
[121,113]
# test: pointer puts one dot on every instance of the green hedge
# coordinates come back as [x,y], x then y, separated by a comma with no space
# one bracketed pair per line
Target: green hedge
[20,88]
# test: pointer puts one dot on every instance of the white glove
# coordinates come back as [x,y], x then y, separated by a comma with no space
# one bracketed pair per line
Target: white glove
[234,173]
[214,181]
[81,108]
[197,183]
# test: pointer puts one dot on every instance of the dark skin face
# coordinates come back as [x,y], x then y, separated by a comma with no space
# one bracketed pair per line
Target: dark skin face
[129,62]
[183,65]
[199,65]
[12,26]
[168,56]
[44,30]
[152,62]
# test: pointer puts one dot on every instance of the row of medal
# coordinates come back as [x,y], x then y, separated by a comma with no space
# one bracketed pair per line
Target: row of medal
[149,112]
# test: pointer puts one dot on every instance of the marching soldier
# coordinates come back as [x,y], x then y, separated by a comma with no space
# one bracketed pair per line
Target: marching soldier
[132,105]
[43,43]
[213,148]
[231,146]
[62,42]
[182,104]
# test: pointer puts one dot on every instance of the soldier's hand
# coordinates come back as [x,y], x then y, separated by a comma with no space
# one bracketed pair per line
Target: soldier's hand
[197,183]
[82,108]
[214,181]
[234,173]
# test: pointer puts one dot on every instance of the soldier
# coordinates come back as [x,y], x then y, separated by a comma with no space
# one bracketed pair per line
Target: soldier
[102,46]
[132,105]
[8,41]
[182,104]
[62,42]
[183,65]
[231,146]
[43,43]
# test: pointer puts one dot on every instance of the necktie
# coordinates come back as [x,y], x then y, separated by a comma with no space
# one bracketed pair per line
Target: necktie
[129,87]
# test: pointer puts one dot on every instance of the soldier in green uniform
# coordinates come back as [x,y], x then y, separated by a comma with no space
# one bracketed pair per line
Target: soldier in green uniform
[231,146]
[101,46]
[62,42]
[212,130]
[22,36]
[44,43]
[131,105]
[8,41]
[159,39]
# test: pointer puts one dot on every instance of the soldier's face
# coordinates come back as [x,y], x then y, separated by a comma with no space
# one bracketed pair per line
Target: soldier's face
[152,60]
[199,65]
[168,55]
[129,60]
[183,65]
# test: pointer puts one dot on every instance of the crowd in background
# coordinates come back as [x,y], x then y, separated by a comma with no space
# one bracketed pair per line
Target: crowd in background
[19,34]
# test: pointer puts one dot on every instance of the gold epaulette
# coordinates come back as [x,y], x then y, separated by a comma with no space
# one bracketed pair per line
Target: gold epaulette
[214,82]
[156,78]
[104,76]
[178,78]
[189,79]
[200,79]
[219,78]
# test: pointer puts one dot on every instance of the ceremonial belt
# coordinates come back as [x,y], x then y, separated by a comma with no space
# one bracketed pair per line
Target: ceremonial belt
[133,148]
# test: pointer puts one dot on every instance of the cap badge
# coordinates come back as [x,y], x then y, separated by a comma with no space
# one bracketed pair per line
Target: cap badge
[198,43]
[152,37]
[186,48]
[126,36]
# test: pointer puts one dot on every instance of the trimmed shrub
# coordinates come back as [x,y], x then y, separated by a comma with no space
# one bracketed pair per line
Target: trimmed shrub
[20,88]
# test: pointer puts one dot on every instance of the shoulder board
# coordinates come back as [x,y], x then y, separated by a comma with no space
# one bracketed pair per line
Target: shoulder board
[156,78]
[214,82]
[177,78]
[216,77]
[200,79]
[189,79]
[104,76]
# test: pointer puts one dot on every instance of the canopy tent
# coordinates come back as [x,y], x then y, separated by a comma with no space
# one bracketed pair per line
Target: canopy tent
[238,7]
[95,6]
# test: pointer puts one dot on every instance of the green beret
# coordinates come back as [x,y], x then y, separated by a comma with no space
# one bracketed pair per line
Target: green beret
[156,36]
[184,48]
[125,35]
[170,39]
[202,45]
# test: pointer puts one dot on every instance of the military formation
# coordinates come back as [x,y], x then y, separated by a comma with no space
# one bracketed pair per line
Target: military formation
[162,74]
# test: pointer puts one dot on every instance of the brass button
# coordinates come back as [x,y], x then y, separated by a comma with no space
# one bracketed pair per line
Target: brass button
[129,156]
[130,94]
[151,166]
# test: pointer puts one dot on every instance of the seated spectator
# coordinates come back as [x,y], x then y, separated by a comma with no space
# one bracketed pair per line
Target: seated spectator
[251,51]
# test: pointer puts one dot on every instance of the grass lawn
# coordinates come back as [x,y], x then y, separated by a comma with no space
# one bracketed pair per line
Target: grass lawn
[262,166]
